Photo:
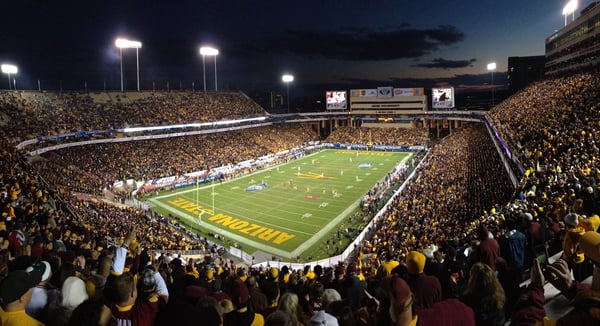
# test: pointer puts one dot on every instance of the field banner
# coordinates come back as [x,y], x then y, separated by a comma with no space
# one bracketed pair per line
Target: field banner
[387,91]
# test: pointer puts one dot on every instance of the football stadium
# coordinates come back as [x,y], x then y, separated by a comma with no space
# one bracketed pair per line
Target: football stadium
[393,206]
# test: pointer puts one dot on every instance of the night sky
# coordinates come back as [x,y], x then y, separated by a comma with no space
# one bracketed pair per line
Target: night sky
[324,44]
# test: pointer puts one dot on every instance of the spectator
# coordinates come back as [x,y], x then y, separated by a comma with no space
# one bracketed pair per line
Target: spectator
[73,293]
[401,310]
[15,293]
[258,299]
[322,318]
[389,263]
[530,308]
[485,295]
[279,318]
[289,303]
[354,288]
[571,251]
[39,297]
[488,250]
[241,315]
[513,245]
[426,289]
[91,313]
[510,279]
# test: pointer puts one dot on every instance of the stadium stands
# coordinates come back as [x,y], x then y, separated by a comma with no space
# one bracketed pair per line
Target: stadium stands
[458,199]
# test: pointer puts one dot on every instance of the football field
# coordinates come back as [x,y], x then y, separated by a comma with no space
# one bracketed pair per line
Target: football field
[286,210]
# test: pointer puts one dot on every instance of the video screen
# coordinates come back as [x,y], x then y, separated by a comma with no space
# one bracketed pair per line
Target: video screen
[336,100]
[442,98]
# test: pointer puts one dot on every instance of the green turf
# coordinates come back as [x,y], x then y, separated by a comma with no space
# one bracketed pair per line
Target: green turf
[303,203]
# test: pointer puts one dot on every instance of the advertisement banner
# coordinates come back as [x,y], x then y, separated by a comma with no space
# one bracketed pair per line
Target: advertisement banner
[404,91]
[387,91]
[363,92]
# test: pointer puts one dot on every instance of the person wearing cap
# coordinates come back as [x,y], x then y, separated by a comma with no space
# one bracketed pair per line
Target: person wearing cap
[269,285]
[39,297]
[15,293]
[427,289]
[402,310]
[242,315]
[72,294]
[322,318]
[571,251]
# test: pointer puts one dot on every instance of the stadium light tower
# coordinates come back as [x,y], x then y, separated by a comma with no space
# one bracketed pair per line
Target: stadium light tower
[210,51]
[287,79]
[491,67]
[122,43]
[569,9]
[9,69]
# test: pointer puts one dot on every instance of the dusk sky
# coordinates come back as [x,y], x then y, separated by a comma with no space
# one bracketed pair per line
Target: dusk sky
[324,44]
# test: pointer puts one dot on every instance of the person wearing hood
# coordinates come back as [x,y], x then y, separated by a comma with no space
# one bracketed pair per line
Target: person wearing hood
[488,250]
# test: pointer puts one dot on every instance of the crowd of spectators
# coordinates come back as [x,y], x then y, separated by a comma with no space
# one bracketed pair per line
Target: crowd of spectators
[379,136]
[453,187]
[100,165]
[447,250]
[28,113]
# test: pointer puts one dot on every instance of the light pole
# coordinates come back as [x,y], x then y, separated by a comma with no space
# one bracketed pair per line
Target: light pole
[9,69]
[491,67]
[127,44]
[287,79]
[569,9]
[210,51]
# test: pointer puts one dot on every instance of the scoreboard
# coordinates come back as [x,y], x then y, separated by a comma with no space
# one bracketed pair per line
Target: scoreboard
[388,100]
[336,100]
[442,98]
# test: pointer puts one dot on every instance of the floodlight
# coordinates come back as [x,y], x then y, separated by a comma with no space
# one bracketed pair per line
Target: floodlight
[122,43]
[9,69]
[207,50]
[127,44]
[570,7]
[287,79]
[491,67]
[213,52]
